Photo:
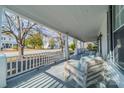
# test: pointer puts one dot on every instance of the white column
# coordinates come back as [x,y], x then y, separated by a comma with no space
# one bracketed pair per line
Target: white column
[76,47]
[3,70]
[1,18]
[3,63]
[80,45]
[66,49]
[83,45]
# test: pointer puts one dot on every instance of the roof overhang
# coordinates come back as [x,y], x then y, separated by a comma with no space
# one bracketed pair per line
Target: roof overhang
[80,21]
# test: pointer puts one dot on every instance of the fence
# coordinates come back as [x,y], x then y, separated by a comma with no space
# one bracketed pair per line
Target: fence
[16,66]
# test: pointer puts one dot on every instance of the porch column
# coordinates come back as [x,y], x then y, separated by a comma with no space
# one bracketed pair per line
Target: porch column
[3,63]
[66,48]
[83,46]
[3,70]
[80,45]
[76,47]
[1,17]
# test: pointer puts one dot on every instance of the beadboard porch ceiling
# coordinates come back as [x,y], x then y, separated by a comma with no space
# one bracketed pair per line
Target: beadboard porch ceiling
[82,21]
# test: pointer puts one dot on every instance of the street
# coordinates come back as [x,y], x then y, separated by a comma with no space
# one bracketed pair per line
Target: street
[27,51]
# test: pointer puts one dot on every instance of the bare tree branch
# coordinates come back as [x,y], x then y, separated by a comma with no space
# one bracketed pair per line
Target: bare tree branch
[32,26]
[22,25]
[27,30]
[4,31]
[18,21]
[19,29]
[10,20]
[7,17]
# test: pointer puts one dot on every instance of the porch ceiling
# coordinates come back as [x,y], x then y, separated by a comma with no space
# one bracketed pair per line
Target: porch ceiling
[82,22]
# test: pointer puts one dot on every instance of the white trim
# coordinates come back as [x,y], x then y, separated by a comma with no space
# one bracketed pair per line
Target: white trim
[118,28]
[3,70]
[66,50]
[1,21]
[45,56]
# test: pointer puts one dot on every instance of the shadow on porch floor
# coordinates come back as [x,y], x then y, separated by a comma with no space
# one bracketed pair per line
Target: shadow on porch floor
[45,77]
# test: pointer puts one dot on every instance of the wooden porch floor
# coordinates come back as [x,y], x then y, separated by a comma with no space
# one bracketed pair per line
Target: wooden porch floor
[45,77]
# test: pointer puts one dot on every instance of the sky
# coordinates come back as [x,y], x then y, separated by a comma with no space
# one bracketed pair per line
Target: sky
[49,32]
[44,30]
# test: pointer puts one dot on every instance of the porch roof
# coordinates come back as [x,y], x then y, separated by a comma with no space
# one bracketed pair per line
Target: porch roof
[81,22]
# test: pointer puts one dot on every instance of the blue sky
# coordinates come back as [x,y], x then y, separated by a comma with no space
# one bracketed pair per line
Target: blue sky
[44,30]
[49,32]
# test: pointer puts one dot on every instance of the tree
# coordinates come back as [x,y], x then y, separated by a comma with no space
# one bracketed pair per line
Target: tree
[51,43]
[61,42]
[18,28]
[89,47]
[35,41]
[72,46]
[92,47]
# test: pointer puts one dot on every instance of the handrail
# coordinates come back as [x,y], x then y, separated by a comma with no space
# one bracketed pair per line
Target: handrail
[16,66]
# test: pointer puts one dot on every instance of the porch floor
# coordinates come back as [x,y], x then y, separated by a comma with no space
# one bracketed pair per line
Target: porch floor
[45,77]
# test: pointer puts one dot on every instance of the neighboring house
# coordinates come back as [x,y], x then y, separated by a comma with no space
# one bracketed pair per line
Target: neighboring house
[57,43]
[7,41]
[46,41]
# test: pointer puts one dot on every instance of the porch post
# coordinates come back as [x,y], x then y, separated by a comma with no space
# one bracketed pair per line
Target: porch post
[1,18]
[80,45]
[3,70]
[83,45]
[3,63]
[75,52]
[66,49]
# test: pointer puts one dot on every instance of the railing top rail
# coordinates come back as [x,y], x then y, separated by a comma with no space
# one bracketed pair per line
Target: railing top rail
[14,58]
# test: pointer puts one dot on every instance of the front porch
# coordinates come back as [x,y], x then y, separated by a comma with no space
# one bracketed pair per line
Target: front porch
[46,69]
[50,76]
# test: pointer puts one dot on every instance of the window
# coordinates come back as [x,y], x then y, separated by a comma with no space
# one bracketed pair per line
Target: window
[122,17]
[118,16]
[1,38]
[118,34]
[119,47]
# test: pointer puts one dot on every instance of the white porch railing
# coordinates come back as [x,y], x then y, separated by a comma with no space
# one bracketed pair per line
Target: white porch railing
[29,62]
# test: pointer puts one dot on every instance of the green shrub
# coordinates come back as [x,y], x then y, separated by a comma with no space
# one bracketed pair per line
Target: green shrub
[72,46]
[92,47]
[15,47]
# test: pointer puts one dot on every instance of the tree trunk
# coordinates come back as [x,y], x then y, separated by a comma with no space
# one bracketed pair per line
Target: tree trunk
[17,47]
[21,50]
[62,45]
[33,46]
[62,48]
